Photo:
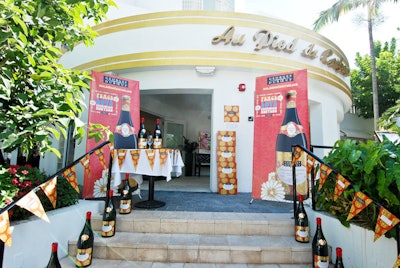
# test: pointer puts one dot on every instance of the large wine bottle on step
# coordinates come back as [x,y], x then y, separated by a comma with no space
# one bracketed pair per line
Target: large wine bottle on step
[109,216]
[290,133]
[125,133]
[84,247]
[302,229]
[125,203]
[142,135]
[339,258]
[320,249]
[157,137]
[53,261]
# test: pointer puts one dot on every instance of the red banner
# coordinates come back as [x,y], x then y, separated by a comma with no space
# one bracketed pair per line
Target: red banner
[105,104]
[280,119]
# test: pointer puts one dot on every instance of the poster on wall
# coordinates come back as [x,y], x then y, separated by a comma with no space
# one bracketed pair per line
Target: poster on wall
[280,120]
[111,98]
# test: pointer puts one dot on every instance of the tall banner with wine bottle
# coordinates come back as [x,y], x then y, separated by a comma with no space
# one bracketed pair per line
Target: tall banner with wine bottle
[115,103]
[280,120]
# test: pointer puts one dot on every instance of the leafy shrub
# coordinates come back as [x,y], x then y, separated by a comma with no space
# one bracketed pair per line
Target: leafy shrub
[16,181]
[374,169]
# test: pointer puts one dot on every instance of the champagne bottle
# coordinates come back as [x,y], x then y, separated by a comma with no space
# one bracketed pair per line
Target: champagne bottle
[320,248]
[109,216]
[291,132]
[339,259]
[125,203]
[84,247]
[142,136]
[125,134]
[53,261]
[157,137]
[302,229]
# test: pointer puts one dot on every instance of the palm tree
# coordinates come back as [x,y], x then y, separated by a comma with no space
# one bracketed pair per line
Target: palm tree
[343,6]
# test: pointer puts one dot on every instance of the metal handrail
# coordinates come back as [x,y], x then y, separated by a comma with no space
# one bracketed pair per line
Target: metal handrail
[313,185]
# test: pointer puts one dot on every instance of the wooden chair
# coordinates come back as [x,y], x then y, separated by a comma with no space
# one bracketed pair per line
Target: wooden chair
[200,160]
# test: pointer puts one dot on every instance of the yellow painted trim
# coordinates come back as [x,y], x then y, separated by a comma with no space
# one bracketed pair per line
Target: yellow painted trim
[217,18]
[211,58]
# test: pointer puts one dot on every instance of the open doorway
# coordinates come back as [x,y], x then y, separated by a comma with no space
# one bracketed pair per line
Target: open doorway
[184,114]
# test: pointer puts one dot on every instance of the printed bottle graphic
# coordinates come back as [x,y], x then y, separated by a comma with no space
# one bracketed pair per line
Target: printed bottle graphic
[142,135]
[290,133]
[125,134]
[157,137]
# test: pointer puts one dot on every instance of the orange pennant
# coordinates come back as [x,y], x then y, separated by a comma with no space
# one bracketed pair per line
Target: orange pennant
[50,189]
[5,230]
[121,153]
[70,175]
[324,172]
[360,202]
[298,152]
[111,146]
[100,154]
[135,155]
[86,163]
[32,203]
[397,263]
[384,223]
[310,164]
[150,156]
[163,156]
[340,186]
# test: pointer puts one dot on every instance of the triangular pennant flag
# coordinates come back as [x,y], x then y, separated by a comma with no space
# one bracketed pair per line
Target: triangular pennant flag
[111,146]
[50,189]
[360,202]
[340,186]
[70,175]
[150,156]
[135,155]
[32,203]
[5,230]
[397,263]
[86,163]
[121,153]
[384,223]
[100,154]
[310,164]
[324,172]
[298,152]
[163,156]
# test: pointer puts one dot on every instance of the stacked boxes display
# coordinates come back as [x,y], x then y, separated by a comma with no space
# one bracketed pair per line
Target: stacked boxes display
[226,162]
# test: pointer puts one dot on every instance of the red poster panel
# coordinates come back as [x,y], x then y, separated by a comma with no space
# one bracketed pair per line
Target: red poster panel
[107,94]
[280,120]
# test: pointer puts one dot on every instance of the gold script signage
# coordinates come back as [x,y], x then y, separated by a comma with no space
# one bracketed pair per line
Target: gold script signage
[266,39]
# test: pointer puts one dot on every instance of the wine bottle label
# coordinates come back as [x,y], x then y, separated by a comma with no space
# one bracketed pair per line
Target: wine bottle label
[108,228]
[285,173]
[321,261]
[291,129]
[157,143]
[84,237]
[83,257]
[302,215]
[125,206]
[125,130]
[302,233]
[142,143]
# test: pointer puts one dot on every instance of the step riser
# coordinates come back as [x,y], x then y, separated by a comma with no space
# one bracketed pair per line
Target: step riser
[199,226]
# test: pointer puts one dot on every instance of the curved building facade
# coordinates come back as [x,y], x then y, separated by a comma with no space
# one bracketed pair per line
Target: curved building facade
[211,53]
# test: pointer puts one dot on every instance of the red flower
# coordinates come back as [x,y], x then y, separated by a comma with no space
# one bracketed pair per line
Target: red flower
[25,172]
[12,170]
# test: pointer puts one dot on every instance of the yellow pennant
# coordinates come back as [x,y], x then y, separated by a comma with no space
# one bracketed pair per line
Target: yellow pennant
[340,186]
[32,203]
[5,230]
[360,202]
[384,223]
[50,189]
[70,175]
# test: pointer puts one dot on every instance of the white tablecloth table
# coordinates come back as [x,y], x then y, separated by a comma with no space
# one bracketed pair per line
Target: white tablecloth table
[148,163]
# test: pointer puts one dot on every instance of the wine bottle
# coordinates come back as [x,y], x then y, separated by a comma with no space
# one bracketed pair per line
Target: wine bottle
[142,135]
[125,203]
[53,261]
[109,216]
[320,248]
[339,259]
[302,229]
[125,133]
[84,247]
[291,133]
[157,137]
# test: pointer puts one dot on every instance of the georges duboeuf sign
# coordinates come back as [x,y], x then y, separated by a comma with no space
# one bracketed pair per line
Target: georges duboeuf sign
[266,39]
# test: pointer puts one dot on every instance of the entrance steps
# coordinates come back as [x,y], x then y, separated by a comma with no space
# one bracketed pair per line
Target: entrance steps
[148,238]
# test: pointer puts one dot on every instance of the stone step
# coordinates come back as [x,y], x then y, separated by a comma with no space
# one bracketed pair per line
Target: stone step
[213,223]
